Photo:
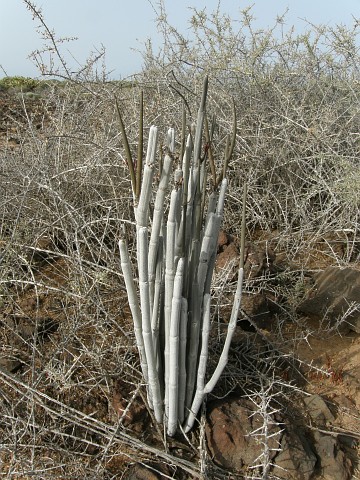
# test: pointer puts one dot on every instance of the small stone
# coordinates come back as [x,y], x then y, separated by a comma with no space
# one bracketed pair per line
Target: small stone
[10,364]
[138,472]
[318,410]
[296,459]
[333,463]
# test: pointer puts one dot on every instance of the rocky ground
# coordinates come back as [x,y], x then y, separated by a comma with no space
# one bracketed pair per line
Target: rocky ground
[319,434]
[307,427]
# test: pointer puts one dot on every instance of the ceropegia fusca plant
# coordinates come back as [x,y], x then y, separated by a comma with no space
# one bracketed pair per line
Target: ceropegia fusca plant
[176,249]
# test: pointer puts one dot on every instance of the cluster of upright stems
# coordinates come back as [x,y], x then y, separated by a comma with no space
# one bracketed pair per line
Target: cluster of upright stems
[176,253]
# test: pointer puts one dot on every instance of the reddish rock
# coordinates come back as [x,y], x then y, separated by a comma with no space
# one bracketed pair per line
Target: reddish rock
[223,240]
[228,252]
[234,433]
[258,261]
[228,257]
[228,433]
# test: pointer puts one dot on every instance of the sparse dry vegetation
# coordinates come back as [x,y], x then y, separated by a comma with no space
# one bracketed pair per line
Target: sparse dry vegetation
[72,396]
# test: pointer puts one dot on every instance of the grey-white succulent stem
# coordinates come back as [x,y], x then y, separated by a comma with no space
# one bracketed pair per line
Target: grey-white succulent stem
[205,342]
[186,162]
[216,230]
[200,382]
[200,123]
[197,213]
[133,304]
[155,313]
[173,398]
[230,331]
[182,358]
[192,266]
[196,208]
[217,220]
[170,258]
[142,209]
[189,214]
[157,221]
[179,246]
[203,179]
[161,320]
[159,206]
[154,383]
[236,305]
[212,258]
[208,247]
[221,200]
[152,145]
[178,176]
[169,283]
[194,332]
[170,140]
[181,243]
[178,226]
[212,203]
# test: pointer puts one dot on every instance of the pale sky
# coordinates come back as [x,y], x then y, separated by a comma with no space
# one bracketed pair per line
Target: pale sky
[121,26]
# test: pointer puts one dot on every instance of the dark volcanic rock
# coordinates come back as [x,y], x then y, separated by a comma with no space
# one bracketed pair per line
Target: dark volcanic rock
[296,459]
[333,463]
[335,299]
